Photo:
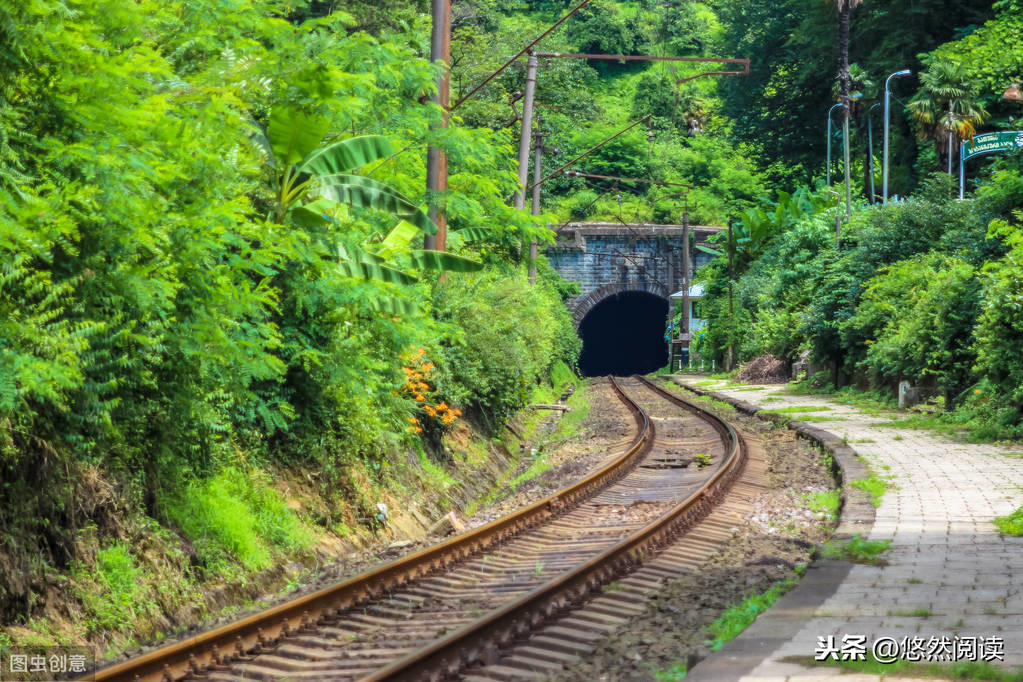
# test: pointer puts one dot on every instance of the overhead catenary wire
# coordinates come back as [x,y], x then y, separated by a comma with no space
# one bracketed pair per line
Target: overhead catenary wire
[589,151]
[523,51]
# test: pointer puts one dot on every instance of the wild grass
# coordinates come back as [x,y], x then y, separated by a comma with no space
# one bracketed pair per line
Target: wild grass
[235,514]
[675,673]
[121,597]
[857,550]
[739,617]
[1011,524]
[826,502]
[874,486]
[571,422]
[800,408]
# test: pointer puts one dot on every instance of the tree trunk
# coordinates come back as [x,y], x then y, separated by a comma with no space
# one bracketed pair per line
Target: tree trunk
[844,10]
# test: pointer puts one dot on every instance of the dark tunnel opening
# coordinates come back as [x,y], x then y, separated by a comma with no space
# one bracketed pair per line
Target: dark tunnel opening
[624,334]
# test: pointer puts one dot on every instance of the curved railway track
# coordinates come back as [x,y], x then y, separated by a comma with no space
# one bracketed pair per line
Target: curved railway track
[472,602]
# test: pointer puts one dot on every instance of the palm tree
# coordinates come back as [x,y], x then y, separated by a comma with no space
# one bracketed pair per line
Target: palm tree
[946,107]
[845,8]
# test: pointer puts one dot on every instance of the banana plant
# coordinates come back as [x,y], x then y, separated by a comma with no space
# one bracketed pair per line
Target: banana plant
[315,180]
[759,226]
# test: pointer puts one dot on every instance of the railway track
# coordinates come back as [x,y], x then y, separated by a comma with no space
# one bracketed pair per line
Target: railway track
[469,605]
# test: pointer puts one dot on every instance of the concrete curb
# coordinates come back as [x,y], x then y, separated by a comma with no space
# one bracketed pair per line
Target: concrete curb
[784,620]
[856,512]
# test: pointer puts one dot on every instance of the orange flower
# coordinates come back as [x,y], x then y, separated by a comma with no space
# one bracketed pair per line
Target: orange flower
[419,429]
[420,398]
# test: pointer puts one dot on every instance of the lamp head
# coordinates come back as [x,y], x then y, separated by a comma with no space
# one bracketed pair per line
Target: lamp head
[904,72]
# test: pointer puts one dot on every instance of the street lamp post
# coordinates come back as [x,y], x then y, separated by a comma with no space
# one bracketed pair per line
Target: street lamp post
[829,140]
[870,153]
[884,161]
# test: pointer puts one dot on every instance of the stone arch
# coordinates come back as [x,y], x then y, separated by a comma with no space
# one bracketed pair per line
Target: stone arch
[582,305]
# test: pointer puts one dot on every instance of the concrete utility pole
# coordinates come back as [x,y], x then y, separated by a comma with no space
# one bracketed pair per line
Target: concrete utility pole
[436,159]
[537,173]
[527,130]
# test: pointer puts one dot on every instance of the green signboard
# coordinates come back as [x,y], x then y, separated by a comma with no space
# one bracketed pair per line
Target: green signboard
[990,143]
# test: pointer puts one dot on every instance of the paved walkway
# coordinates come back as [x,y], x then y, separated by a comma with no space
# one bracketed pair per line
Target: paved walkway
[949,571]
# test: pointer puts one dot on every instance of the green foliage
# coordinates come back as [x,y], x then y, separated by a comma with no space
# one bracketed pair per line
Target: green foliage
[791,78]
[826,503]
[600,28]
[916,320]
[199,257]
[732,622]
[508,336]
[874,486]
[1011,524]
[235,515]
[1000,323]
[857,550]
[673,674]
[121,597]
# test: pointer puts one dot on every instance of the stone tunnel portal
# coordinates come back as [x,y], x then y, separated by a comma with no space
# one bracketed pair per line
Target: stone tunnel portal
[624,334]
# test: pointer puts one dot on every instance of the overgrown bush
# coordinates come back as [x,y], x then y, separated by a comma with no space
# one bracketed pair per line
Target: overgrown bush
[509,334]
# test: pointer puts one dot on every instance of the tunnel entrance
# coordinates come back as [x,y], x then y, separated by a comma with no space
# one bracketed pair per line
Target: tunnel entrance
[624,334]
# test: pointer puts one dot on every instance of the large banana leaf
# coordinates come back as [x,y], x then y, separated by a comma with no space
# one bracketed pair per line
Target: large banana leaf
[362,195]
[394,306]
[400,236]
[346,155]
[442,260]
[363,270]
[293,133]
[354,252]
[307,219]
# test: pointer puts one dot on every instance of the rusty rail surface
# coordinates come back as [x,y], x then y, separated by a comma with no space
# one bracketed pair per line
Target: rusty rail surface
[215,649]
[479,642]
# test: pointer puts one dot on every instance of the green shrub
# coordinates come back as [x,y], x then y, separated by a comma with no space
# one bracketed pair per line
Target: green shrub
[506,337]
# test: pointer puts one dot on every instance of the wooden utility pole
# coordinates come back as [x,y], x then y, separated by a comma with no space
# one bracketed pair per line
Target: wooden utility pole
[436,159]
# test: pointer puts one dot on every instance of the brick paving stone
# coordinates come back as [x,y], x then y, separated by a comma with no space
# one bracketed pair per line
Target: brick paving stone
[937,515]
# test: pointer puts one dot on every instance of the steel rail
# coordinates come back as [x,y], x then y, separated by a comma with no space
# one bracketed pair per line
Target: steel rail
[479,642]
[257,633]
